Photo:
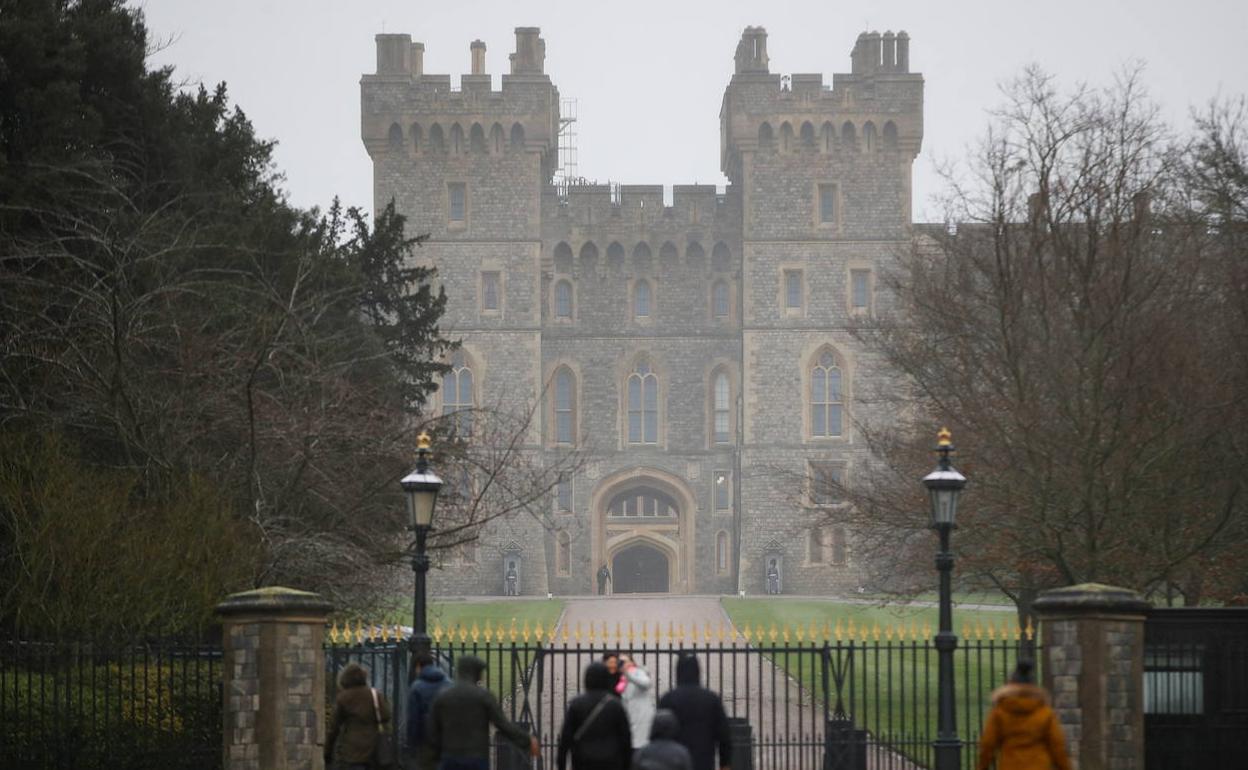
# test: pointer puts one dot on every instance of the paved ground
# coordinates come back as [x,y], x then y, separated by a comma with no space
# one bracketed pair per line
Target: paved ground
[787,720]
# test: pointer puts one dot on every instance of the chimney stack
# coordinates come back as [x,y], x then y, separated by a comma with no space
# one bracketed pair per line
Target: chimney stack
[478,57]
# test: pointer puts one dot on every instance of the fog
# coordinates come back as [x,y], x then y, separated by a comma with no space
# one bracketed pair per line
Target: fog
[649,75]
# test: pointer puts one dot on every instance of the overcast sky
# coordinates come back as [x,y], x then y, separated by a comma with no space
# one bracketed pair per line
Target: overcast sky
[649,74]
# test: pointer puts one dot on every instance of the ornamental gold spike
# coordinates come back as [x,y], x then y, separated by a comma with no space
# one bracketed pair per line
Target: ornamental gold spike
[577,634]
[799,633]
[812,633]
[720,636]
[839,631]
[632,636]
[593,638]
[385,633]
[927,629]
[1005,630]
[475,632]
[707,633]
[745,633]
[784,633]
[875,630]
[966,630]
[332,633]
[487,634]
[538,633]
[511,631]
[671,631]
[619,638]
[1030,630]
[645,634]
[524,632]
[359,631]
[888,632]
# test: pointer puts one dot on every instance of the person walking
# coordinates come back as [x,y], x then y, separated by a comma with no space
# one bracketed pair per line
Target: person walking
[595,728]
[430,681]
[663,751]
[1021,731]
[700,712]
[604,577]
[360,715]
[634,686]
[460,719]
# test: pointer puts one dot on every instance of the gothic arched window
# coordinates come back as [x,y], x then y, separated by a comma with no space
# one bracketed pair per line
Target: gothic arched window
[565,407]
[721,412]
[563,299]
[642,501]
[720,305]
[641,299]
[643,405]
[457,395]
[826,399]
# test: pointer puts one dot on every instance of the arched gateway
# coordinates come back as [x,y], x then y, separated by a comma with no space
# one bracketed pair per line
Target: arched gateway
[644,530]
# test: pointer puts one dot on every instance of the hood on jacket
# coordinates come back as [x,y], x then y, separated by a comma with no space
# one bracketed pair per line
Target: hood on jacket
[688,671]
[431,673]
[1020,699]
[469,667]
[666,725]
[598,677]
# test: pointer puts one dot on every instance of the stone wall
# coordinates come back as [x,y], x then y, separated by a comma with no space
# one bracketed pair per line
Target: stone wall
[604,240]
[1093,647]
[274,680]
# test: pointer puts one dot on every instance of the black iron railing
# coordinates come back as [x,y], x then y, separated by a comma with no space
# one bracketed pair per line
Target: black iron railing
[79,706]
[831,705]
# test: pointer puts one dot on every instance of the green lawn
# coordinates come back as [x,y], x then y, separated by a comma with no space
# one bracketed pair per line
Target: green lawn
[890,685]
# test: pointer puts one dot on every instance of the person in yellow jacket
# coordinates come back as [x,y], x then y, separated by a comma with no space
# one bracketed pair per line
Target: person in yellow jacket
[1022,730]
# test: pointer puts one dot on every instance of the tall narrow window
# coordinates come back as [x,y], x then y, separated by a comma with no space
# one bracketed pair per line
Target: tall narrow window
[723,490]
[565,407]
[643,405]
[825,483]
[721,552]
[563,495]
[641,299]
[457,395]
[563,299]
[719,300]
[826,404]
[793,289]
[563,544]
[721,413]
[827,204]
[457,195]
[816,546]
[490,290]
[860,290]
[839,546]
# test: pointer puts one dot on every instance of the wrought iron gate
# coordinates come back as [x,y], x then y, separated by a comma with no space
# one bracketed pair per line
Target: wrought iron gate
[824,704]
[1195,688]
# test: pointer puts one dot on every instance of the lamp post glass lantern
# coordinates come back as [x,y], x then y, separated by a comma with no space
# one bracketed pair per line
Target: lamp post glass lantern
[944,485]
[421,488]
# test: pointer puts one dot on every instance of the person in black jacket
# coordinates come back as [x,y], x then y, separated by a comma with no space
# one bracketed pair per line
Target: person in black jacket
[703,723]
[429,682]
[595,729]
[663,752]
[460,719]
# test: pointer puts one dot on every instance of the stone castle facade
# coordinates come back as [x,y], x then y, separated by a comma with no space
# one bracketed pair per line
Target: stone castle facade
[698,353]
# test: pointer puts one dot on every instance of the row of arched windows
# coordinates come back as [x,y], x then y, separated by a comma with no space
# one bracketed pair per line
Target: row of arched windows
[435,139]
[642,256]
[642,398]
[828,138]
[642,300]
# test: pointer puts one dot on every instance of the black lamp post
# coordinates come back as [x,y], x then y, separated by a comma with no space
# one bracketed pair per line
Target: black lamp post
[943,486]
[421,488]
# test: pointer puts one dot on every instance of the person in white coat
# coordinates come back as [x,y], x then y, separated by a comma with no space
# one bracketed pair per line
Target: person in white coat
[635,686]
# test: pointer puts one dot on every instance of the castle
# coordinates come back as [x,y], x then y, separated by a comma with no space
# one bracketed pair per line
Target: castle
[698,353]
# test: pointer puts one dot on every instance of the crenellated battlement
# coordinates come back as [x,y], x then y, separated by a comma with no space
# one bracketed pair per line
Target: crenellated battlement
[403,106]
[877,107]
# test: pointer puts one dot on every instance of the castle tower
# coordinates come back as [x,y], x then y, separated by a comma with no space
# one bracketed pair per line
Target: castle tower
[825,181]
[468,166]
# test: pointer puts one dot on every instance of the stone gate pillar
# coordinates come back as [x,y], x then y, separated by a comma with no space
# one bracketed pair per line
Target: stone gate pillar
[1093,665]
[274,679]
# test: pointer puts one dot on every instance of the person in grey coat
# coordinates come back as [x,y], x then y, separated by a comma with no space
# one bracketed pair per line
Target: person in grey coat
[663,751]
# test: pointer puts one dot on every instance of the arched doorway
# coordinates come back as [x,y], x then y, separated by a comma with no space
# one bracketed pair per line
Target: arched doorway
[644,530]
[640,569]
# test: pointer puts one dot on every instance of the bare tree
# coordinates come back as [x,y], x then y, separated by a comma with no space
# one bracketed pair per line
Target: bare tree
[1073,332]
